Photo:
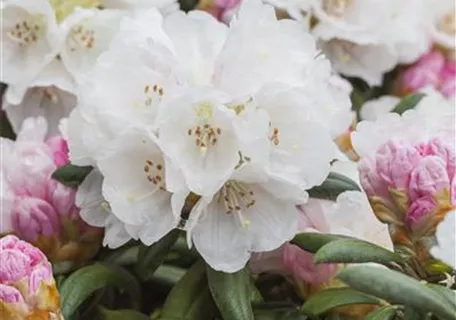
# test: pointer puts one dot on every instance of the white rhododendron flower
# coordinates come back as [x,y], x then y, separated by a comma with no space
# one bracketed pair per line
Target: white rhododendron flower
[366,38]
[445,249]
[242,121]
[441,18]
[96,212]
[30,39]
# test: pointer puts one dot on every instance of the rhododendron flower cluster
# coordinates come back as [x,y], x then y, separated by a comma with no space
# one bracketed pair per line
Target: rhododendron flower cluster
[227,159]
[37,208]
[407,169]
[27,287]
[189,122]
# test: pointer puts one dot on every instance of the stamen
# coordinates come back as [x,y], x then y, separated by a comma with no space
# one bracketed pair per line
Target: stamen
[80,37]
[205,136]
[27,32]
[154,174]
[237,198]
[336,7]
[275,136]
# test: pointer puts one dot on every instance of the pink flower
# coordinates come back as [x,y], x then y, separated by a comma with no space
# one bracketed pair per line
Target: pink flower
[222,10]
[419,177]
[59,148]
[39,207]
[431,70]
[26,282]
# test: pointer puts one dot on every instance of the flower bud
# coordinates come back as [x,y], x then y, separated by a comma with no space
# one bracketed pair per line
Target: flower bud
[395,162]
[61,197]
[429,177]
[370,179]
[60,151]
[419,212]
[27,287]
[32,217]
[424,73]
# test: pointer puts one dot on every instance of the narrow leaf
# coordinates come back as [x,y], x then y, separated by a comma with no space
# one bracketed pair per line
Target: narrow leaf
[382,313]
[445,292]
[412,314]
[106,314]
[396,288]
[231,293]
[71,175]
[312,242]
[81,284]
[408,102]
[333,186]
[190,298]
[354,251]
[150,257]
[326,300]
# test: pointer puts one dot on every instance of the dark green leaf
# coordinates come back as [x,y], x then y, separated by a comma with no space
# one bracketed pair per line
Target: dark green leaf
[448,294]
[71,175]
[190,298]
[81,284]
[412,314]
[312,242]
[326,300]
[231,293]
[408,102]
[149,258]
[333,186]
[123,256]
[382,313]
[106,314]
[396,288]
[354,251]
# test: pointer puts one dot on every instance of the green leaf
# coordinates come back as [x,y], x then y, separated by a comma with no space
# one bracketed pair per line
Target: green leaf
[408,102]
[123,256]
[411,314]
[81,284]
[445,292]
[190,298]
[312,242]
[71,175]
[150,257]
[326,300]
[106,314]
[231,293]
[396,288]
[354,251]
[333,186]
[382,313]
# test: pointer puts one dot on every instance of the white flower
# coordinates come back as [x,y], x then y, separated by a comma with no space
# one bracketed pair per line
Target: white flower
[88,33]
[185,104]
[445,249]
[48,102]
[139,198]
[30,39]
[96,212]
[374,108]
[432,115]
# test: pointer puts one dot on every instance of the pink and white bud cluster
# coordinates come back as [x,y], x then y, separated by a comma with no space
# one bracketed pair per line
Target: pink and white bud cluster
[434,70]
[27,286]
[37,208]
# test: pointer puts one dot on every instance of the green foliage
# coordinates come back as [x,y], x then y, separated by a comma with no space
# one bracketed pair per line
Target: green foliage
[333,186]
[81,284]
[71,175]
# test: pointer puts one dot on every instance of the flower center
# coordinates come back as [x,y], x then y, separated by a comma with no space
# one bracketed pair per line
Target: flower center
[236,196]
[336,7]
[154,174]
[448,24]
[205,134]
[81,37]
[27,31]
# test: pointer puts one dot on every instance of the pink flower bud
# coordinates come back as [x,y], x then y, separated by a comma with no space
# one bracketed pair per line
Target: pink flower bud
[429,177]
[419,211]
[61,197]
[27,287]
[32,217]
[448,80]
[426,72]
[370,179]
[395,162]
[444,148]
[59,148]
